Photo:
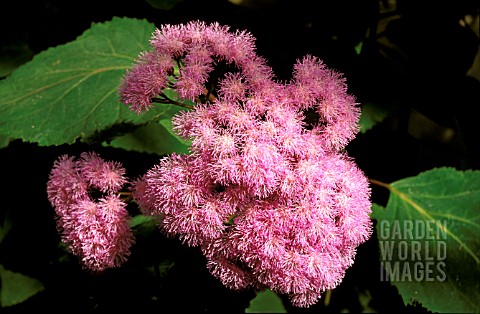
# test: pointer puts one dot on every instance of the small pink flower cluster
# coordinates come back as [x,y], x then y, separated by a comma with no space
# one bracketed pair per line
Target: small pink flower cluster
[95,230]
[195,48]
[273,201]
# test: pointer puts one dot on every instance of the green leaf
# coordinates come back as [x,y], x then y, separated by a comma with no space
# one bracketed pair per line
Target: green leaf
[358,47]
[155,137]
[371,115]
[266,301]
[139,220]
[4,141]
[16,287]
[429,235]
[70,91]
[144,226]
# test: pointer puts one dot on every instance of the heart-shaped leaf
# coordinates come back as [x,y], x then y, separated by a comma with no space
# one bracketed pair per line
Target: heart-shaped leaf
[70,91]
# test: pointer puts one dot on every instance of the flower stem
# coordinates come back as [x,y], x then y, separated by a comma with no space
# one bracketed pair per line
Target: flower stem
[126,196]
[380,183]
[328,295]
[165,100]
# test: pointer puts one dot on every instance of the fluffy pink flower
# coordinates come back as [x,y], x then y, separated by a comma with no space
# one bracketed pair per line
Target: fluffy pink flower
[291,212]
[66,186]
[107,176]
[196,46]
[100,236]
[94,229]
[267,191]
[317,87]
[187,208]
[299,244]
[146,80]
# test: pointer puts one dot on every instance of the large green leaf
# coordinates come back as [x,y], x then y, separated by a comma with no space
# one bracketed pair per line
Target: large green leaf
[16,287]
[70,91]
[429,239]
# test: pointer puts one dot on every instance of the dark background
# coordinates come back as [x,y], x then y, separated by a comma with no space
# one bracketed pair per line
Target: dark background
[417,62]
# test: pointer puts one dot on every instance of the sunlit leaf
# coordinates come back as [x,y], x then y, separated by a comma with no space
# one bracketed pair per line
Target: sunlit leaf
[16,287]
[429,235]
[70,91]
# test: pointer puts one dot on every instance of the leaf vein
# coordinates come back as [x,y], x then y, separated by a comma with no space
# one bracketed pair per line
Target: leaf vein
[424,213]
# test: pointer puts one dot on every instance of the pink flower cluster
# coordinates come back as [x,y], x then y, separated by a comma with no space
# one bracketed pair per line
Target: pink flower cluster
[95,229]
[272,201]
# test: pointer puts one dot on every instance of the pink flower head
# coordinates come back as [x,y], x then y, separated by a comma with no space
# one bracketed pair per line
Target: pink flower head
[267,190]
[66,185]
[101,236]
[196,47]
[94,228]
[146,80]
[103,175]
[299,244]
[289,209]
[317,87]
